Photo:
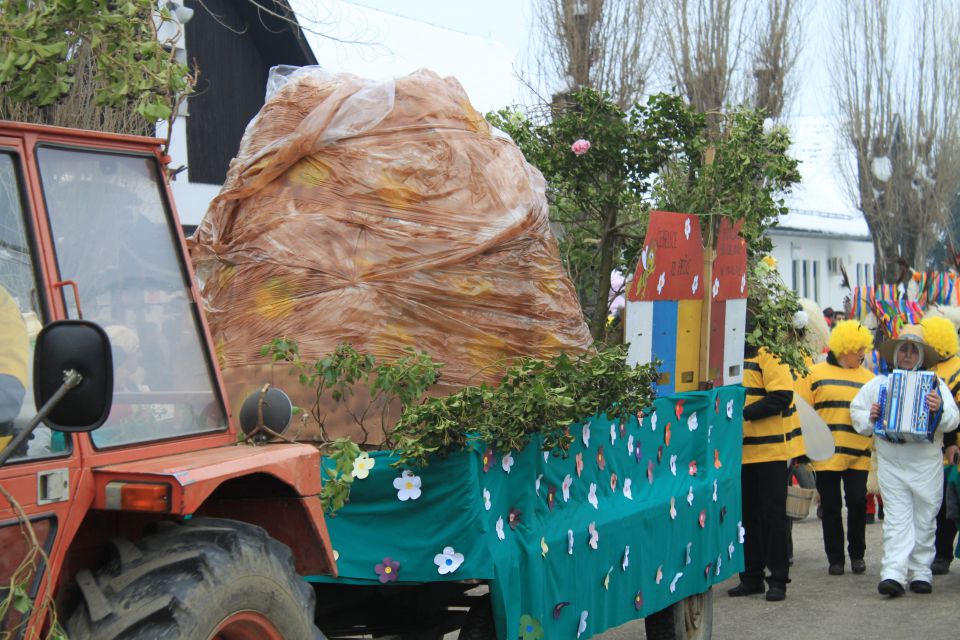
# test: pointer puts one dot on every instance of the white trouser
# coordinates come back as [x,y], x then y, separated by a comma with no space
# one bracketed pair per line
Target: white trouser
[911,484]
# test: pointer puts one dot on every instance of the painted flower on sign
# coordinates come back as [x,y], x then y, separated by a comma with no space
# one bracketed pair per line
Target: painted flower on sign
[448,561]
[388,570]
[362,466]
[407,486]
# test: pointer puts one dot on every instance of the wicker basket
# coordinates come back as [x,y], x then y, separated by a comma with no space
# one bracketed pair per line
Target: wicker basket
[798,502]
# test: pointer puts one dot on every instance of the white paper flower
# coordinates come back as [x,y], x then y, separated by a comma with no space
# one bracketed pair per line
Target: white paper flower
[407,486]
[626,558]
[613,433]
[662,281]
[630,445]
[741,531]
[592,496]
[507,461]
[730,550]
[586,436]
[686,228]
[537,483]
[690,496]
[653,422]
[565,487]
[692,422]
[486,499]
[546,457]
[676,579]
[643,256]
[729,409]
[673,464]
[714,490]
[594,535]
[628,489]
[689,556]
[695,284]
[716,287]
[583,623]
[448,561]
[673,508]
[570,542]
[719,563]
[500,533]
[743,282]
[659,574]
[362,465]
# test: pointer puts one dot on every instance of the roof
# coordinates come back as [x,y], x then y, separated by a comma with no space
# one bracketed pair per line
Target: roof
[820,204]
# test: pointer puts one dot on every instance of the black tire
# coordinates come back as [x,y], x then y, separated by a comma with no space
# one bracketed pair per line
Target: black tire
[479,623]
[689,619]
[182,582]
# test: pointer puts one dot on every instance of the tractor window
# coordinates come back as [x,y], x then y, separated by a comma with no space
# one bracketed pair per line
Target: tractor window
[114,237]
[20,320]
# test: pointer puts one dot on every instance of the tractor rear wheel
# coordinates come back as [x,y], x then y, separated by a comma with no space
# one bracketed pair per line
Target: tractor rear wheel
[205,579]
[689,619]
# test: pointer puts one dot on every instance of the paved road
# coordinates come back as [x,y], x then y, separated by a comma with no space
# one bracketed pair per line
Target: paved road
[820,606]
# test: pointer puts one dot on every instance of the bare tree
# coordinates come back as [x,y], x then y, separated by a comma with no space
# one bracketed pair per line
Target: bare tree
[775,55]
[899,119]
[602,44]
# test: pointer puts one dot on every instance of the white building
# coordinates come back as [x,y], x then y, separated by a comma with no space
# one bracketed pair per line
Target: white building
[823,230]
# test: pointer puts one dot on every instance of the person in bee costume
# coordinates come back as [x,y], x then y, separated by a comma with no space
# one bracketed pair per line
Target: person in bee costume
[911,473]
[829,388]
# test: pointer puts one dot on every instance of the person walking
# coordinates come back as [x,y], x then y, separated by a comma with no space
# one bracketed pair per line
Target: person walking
[941,334]
[767,450]
[829,388]
[910,473]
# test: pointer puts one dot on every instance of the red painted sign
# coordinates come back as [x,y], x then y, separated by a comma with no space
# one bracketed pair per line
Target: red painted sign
[671,262]
[730,265]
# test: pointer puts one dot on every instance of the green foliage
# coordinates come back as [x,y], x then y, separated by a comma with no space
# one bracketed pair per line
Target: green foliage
[533,396]
[599,200]
[336,486]
[771,307]
[39,53]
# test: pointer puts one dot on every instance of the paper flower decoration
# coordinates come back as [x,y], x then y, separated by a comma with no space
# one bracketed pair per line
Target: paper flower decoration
[716,287]
[579,464]
[650,471]
[570,542]
[407,486]
[688,557]
[676,579]
[678,409]
[690,496]
[585,436]
[686,228]
[551,497]
[448,561]
[606,579]
[743,282]
[673,508]
[488,459]
[723,514]
[388,570]
[626,558]
[565,487]
[659,577]
[336,554]
[661,281]
[544,549]
[741,532]
[558,609]
[536,484]
[643,256]
[592,496]
[716,459]
[714,490]
[716,404]
[706,570]
[659,454]
[666,435]
[486,499]
[583,623]
[500,533]
[653,422]
[695,284]
[546,457]
[692,468]
[580,147]
[702,520]
[623,428]
[692,422]
[613,482]
[601,461]
[638,453]
[729,409]
[506,462]
[673,464]
[630,445]
[594,538]
[362,465]
[719,562]
[730,550]
[530,628]
[638,601]
[613,433]
[513,518]
[628,488]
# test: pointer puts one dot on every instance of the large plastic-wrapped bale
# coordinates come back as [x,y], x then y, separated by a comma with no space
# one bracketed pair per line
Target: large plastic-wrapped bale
[388,215]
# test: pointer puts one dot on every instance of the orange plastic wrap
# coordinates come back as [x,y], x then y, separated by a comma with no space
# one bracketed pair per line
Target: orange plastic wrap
[387,215]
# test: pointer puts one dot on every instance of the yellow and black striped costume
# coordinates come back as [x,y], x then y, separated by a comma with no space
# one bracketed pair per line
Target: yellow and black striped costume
[949,371]
[829,389]
[769,438]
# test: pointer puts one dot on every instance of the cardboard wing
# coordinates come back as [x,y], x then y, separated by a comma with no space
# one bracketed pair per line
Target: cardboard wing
[817,436]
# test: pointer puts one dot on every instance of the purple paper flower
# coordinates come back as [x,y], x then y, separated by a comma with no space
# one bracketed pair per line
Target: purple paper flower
[488,459]
[388,570]
[580,147]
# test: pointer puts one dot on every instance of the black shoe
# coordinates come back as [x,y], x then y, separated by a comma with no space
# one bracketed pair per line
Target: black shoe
[744,589]
[940,567]
[890,588]
[920,586]
[871,518]
[880,512]
[857,565]
[835,570]
[776,594]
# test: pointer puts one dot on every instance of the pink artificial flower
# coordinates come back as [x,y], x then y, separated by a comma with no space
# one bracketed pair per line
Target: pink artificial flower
[580,147]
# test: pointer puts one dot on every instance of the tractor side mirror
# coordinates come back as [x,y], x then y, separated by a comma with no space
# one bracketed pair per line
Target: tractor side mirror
[73,346]
[265,414]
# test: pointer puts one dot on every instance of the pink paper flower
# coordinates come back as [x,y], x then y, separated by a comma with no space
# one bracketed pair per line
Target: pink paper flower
[580,147]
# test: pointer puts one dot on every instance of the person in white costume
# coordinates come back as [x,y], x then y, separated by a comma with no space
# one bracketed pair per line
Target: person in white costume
[910,474]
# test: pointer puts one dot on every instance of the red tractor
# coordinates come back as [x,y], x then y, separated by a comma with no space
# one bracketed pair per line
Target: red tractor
[146,518]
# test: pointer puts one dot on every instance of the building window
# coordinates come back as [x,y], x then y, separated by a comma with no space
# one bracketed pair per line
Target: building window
[806,278]
[796,277]
[816,282]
